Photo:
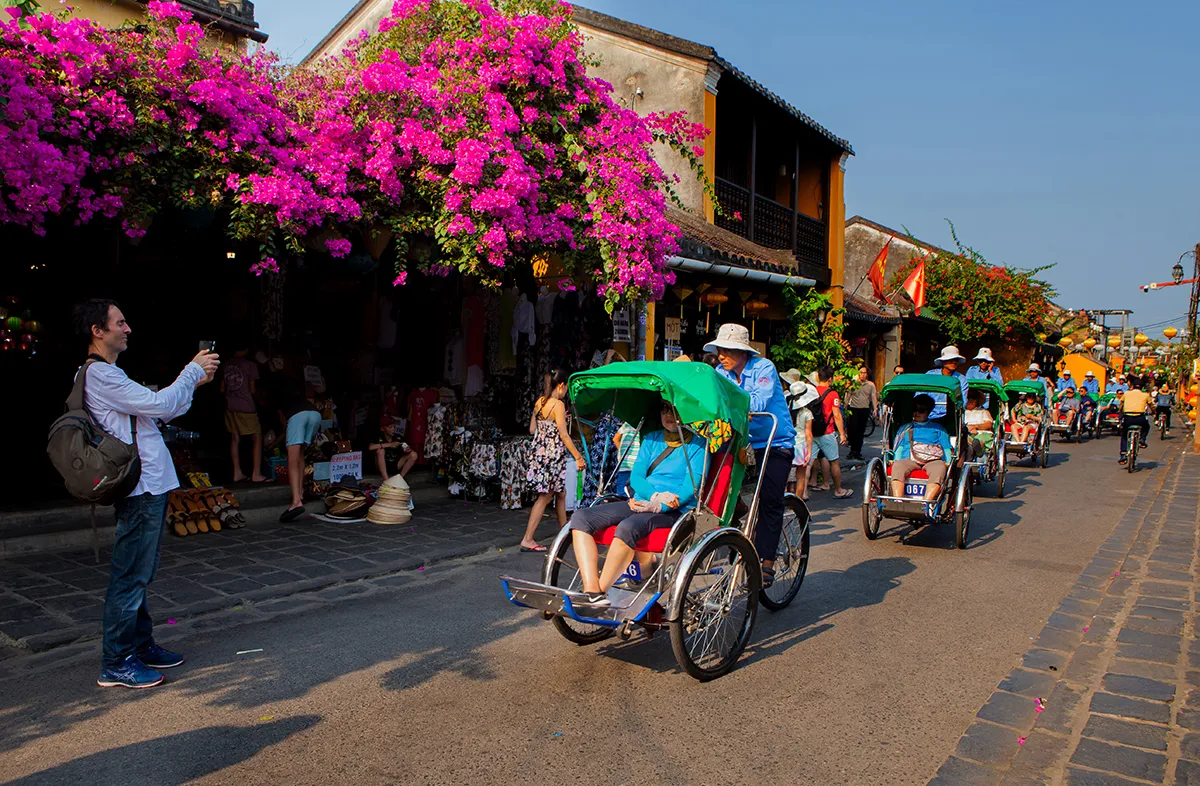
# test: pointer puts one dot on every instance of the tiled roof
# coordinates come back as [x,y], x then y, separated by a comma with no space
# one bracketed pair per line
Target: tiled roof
[235,17]
[899,233]
[867,310]
[707,242]
[683,46]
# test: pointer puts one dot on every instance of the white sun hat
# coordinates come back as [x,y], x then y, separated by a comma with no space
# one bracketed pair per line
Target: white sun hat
[803,394]
[731,336]
[1088,374]
[949,353]
[985,354]
[1034,367]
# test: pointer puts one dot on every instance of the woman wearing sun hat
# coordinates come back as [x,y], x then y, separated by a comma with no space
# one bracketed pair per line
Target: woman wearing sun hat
[802,394]
[947,365]
[741,364]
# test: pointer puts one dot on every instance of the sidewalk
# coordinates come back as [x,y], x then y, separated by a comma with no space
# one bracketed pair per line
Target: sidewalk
[50,599]
[1110,692]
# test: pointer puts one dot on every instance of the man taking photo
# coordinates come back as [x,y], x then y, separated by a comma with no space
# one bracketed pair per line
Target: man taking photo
[131,658]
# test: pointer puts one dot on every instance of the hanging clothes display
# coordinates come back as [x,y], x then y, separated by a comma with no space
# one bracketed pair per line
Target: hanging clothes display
[523,322]
[419,403]
[602,456]
[514,461]
[435,433]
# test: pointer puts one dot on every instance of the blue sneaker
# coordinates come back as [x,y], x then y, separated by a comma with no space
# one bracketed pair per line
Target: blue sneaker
[156,657]
[130,673]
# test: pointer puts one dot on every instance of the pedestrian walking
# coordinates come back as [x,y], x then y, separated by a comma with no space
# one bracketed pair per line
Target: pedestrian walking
[802,395]
[129,412]
[239,378]
[741,364]
[863,404]
[827,419]
[548,457]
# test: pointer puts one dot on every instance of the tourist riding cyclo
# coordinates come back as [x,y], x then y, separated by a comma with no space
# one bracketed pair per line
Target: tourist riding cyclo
[984,421]
[1066,413]
[1108,414]
[922,476]
[1027,422]
[699,574]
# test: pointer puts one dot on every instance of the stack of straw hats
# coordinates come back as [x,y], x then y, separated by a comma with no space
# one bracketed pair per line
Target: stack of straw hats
[392,505]
[346,500]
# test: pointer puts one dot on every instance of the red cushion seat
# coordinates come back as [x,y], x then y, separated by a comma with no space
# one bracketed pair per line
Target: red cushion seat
[916,474]
[656,541]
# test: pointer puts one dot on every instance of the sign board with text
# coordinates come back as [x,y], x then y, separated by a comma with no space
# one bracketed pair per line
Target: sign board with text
[621,332]
[343,464]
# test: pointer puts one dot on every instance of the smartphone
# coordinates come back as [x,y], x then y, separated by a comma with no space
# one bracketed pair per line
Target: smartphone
[208,346]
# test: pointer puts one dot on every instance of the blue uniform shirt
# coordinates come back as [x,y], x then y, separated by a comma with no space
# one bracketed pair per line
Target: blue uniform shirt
[974,372]
[1092,386]
[1117,387]
[1063,383]
[939,399]
[760,379]
[1043,381]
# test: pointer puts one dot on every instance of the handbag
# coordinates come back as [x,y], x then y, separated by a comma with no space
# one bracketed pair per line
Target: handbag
[923,453]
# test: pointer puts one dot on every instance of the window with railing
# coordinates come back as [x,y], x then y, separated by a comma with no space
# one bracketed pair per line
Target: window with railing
[771,224]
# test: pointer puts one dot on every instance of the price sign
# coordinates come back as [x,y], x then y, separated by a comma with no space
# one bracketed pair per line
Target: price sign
[343,464]
[621,332]
[674,329]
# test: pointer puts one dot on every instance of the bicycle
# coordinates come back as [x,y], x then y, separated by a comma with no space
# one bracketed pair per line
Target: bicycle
[1133,443]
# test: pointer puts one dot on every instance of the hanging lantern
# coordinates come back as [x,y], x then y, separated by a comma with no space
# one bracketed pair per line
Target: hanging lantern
[7,343]
[1114,341]
[1089,343]
[3,313]
[1170,333]
[1192,415]
[1194,399]
[1195,388]
[14,323]
[754,308]
[1140,339]
[1064,342]
[33,326]
[714,299]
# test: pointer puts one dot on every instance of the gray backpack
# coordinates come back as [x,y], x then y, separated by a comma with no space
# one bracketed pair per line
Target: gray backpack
[96,466]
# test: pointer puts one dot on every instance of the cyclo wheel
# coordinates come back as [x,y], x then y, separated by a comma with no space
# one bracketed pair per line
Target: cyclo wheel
[1045,457]
[962,510]
[1001,468]
[711,614]
[561,571]
[791,558]
[873,486]
[870,428]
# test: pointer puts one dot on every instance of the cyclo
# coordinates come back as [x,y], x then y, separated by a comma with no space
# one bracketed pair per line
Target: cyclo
[706,580]
[1058,420]
[1038,449]
[993,465]
[953,503]
[1107,419]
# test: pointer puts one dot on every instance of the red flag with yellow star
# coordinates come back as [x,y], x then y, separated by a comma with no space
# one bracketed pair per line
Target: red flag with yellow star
[914,285]
[875,274]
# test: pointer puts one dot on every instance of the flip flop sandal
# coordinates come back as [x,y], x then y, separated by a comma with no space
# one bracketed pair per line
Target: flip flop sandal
[847,495]
[768,575]
[535,550]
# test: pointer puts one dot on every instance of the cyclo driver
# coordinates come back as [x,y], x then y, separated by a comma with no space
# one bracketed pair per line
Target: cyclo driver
[741,364]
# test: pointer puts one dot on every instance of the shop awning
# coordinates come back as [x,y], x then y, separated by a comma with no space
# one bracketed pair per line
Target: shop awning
[743,273]
[865,310]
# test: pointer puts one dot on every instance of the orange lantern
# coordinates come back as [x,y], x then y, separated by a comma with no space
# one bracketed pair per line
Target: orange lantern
[1140,339]
[1114,341]
[1170,333]
[1195,388]
[754,308]
[1089,343]
[1193,399]
[712,299]
[1064,342]
[1192,415]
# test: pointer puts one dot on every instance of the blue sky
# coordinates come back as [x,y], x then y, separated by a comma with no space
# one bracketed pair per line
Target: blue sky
[1056,132]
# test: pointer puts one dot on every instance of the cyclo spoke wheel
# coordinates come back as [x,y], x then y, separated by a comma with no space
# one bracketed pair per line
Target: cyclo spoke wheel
[1001,469]
[563,572]
[791,558]
[962,514]
[714,610]
[873,488]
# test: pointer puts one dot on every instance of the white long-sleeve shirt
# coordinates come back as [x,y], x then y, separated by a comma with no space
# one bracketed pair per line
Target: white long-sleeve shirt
[112,397]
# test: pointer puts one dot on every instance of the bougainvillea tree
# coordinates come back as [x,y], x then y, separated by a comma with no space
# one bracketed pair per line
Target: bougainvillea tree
[468,130]
[974,300]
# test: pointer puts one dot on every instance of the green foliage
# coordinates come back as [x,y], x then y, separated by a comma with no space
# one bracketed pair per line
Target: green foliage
[974,300]
[811,343]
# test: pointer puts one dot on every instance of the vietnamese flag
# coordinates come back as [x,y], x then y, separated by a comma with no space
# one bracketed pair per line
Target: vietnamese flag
[875,274]
[914,285]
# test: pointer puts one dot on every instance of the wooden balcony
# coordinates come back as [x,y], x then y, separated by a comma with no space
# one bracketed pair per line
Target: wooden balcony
[770,224]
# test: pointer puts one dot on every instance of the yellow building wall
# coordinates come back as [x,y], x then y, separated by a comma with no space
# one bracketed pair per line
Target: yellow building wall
[1079,364]
[710,151]
[836,232]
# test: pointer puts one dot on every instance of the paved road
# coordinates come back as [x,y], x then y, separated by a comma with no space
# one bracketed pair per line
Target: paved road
[871,676]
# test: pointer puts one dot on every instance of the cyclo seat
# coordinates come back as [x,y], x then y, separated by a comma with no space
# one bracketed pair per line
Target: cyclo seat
[720,474]
[916,474]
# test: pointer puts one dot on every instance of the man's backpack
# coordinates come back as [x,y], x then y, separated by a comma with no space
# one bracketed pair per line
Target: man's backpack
[817,407]
[95,466]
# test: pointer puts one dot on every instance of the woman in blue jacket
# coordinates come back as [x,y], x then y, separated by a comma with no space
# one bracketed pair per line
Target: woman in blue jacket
[921,444]
[662,491]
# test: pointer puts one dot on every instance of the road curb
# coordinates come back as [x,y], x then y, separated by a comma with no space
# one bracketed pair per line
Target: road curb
[1031,722]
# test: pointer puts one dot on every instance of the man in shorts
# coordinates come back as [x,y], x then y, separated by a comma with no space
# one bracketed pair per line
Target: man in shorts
[826,445]
[239,379]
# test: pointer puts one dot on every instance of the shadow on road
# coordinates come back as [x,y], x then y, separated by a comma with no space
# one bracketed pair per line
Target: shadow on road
[823,596]
[175,759]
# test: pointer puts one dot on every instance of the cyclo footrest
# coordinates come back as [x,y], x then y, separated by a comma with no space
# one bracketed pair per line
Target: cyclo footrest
[556,600]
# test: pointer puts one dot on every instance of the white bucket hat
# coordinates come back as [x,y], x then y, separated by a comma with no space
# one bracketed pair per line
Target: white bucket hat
[985,354]
[731,336]
[1066,372]
[1034,367]
[803,394]
[949,353]
[1088,374]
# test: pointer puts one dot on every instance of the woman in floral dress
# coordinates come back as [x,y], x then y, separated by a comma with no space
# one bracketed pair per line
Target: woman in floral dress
[548,456]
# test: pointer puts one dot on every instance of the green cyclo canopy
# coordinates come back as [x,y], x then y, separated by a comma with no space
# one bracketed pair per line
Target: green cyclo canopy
[1019,387]
[994,391]
[924,383]
[631,391]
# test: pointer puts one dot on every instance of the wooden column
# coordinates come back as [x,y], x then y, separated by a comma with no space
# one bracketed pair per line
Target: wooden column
[753,174]
[795,196]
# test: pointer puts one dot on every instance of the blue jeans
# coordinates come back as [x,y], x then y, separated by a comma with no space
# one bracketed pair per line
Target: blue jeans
[127,624]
